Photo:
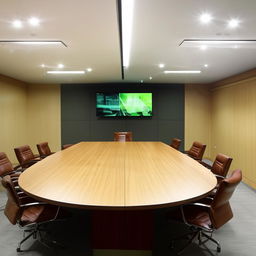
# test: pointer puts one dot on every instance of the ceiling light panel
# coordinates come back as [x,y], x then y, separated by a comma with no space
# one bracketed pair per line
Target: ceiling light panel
[66,72]
[203,44]
[32,42]
[127,24]
[182,71]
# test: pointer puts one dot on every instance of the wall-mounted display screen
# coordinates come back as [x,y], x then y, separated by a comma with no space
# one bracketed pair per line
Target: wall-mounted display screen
[124,104]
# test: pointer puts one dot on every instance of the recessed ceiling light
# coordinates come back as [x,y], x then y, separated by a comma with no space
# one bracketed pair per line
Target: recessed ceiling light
[89,69]
[42,65]
[206,65]
[17,23]
[33,21]
[66,72]
[182,71]
[205,18]
[141,81]
[203,47]
[233,23]
[150,78]
[161,65]
[60,66]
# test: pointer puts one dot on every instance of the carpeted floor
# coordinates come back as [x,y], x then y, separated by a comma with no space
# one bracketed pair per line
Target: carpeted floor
[237,238]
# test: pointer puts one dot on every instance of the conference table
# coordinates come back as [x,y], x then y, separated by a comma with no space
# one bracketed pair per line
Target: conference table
[118,177]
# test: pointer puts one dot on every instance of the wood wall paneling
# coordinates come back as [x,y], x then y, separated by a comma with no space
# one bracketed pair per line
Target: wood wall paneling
[44,116]
[13,113]
[198,116]
[234,125]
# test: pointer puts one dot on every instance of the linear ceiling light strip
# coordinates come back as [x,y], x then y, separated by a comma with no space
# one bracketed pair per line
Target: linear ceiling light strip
[34,42]
[217,43]
[119,15]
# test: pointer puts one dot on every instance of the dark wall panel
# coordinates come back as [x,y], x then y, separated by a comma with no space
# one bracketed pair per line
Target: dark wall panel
[80,123]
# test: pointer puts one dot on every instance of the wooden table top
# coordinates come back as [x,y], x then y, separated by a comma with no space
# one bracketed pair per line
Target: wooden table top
[118,175]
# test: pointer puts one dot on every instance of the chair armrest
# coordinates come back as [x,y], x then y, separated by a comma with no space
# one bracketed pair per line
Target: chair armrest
[30,162]
[200,205]
[24,200]
[205,164]
[18,168]
[219,176]
[32,204]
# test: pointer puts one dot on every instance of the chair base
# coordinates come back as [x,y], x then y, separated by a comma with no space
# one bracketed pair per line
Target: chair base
[36,233]
[198,234]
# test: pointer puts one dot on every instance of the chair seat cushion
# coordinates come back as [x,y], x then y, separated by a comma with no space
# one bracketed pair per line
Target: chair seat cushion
[31,214]
[200,219]
[194,216]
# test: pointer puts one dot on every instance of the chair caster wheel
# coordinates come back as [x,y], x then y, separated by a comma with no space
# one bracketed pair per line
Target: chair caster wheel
[18,250]
[218,249]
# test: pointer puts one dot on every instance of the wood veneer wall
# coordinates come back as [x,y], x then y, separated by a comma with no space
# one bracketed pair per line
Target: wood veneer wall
[234,125]
[29,114]
[44,116]
[198,116]
[13,113]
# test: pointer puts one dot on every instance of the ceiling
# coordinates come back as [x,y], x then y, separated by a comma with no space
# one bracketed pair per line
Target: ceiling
[90,29]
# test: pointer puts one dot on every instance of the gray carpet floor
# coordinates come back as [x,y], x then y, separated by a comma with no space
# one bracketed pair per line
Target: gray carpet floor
[237,237]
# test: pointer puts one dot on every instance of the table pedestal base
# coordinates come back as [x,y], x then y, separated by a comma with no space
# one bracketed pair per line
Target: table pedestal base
[125,230]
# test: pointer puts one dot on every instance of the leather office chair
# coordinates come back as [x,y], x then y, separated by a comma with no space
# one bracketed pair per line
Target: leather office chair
[44,149]
[175,143]
[118,136]
[220,166]
[25,156]
[29,214]
[196,151]
[203,218]
[6,167]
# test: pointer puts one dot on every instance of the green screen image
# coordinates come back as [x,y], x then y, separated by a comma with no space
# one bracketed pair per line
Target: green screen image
[136,104]
[124,104]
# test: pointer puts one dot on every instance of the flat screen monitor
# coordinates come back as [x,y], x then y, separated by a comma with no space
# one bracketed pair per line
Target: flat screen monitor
[124,104]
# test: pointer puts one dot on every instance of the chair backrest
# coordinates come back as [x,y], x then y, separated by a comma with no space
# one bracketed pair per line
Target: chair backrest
[221,165]
[175,143]
[220,211]
[12,207]
[66,146]
[128,136]
[197,150]
[24,154]
[5,165]
[121,138]
[43,149]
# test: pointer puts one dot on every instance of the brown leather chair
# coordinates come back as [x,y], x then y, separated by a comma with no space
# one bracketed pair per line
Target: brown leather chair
[27,212]
[175,143]
[6,167]
[119,136]
[44,149]
[196,151]
[220,166]
[204,218]
[25,156]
